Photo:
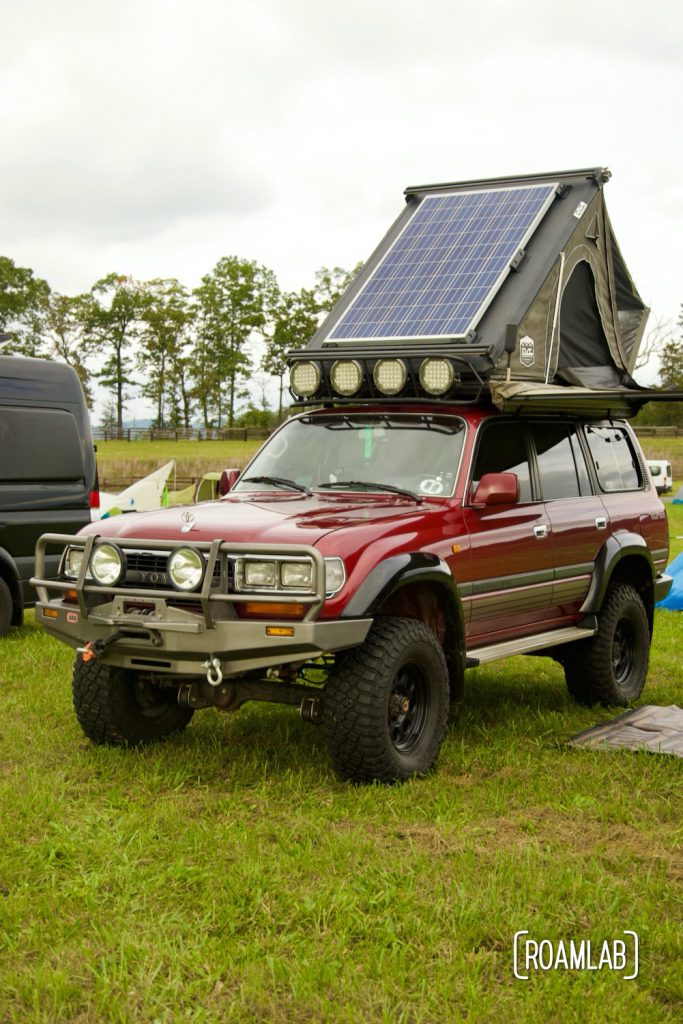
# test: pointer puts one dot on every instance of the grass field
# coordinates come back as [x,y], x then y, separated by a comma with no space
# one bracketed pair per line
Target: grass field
[227,875]
[121,462]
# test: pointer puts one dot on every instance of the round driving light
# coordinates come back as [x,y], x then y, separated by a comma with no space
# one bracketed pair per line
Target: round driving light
[436,376]
[186,569]
[106,565]
[305,379]
[346,376]
[390,375]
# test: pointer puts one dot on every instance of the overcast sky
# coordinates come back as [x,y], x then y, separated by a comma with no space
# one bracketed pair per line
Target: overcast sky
[152,137]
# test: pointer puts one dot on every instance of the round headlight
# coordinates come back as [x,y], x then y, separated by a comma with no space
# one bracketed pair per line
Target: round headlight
[185,568]
[106,565]
[436,376]
[346,376]
[305,379]
[390,375]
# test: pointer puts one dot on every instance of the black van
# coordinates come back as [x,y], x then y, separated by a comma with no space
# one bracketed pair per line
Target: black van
[48,473]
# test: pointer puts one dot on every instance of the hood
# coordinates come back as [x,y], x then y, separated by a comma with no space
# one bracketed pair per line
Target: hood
[271,520]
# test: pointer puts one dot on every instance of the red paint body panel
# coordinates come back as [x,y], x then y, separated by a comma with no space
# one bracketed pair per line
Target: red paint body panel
[481,546]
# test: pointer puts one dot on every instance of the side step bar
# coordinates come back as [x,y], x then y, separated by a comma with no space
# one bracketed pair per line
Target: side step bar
[530,644]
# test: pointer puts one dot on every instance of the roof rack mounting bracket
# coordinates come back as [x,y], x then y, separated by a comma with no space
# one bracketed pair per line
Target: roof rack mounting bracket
[518,260]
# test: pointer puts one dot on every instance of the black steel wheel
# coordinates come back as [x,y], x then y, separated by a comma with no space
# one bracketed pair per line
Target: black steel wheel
[386,703]
[611,667]
[117,708]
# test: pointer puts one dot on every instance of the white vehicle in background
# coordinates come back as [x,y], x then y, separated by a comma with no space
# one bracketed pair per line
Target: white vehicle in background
[660,470]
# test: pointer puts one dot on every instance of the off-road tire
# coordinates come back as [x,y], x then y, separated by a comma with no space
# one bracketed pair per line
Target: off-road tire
[6,608]
[611,667]
[116,709]
[369,735]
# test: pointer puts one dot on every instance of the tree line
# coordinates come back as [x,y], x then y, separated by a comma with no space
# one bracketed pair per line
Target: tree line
[668,348]
[190,353]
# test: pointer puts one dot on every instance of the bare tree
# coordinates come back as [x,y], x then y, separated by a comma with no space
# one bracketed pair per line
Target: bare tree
[654,340]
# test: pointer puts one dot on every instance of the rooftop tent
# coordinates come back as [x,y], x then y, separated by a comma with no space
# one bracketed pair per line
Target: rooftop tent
[515,274]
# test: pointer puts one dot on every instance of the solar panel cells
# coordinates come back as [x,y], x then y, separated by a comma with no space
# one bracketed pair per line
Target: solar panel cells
[439,275]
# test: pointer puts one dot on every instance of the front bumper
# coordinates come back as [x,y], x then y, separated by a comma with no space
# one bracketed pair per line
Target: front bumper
[149,630]
[663,584]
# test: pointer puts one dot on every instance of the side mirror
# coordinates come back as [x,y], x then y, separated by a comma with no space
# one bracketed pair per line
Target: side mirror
[497,489]
[228,480]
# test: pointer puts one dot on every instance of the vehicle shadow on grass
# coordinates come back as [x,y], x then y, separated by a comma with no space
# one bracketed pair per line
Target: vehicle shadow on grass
[261,742]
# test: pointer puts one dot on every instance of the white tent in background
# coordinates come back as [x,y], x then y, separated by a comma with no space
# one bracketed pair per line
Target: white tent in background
[143,496]
[678,497]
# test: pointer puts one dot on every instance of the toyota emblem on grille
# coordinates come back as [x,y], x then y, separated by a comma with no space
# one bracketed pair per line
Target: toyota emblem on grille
[188,521]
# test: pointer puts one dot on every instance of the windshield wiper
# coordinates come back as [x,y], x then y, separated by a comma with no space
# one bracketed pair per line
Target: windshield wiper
[279,481]
[368,485]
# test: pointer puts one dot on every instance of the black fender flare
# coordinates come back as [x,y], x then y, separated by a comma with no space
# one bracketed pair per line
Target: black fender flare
[8,571]
[399,571]
[618,546]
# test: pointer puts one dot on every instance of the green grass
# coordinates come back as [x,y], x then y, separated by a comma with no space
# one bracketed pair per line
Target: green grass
[137,458]
[670,448]
[227,875]
[675,516]
[121,462]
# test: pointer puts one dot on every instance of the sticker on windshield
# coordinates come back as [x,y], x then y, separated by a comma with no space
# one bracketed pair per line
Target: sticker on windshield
[432,485]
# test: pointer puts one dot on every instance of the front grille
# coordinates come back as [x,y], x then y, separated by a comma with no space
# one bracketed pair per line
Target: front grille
[147,569]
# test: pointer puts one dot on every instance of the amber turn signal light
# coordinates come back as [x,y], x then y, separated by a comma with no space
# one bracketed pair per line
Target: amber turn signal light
[279,630]
[274,610]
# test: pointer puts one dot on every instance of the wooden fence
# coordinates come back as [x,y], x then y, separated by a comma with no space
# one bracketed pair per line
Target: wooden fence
[180,434]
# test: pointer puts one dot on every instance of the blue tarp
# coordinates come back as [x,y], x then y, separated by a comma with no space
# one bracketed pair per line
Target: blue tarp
[674,600]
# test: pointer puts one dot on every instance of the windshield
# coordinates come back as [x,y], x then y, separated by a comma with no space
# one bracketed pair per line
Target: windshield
[417,453]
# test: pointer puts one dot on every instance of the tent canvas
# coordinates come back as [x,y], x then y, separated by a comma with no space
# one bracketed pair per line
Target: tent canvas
[507,281]
[678,497]
[566,310]
[142,496]
[653,728]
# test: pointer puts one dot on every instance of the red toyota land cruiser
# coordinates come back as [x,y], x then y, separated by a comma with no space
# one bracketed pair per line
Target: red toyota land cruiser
[410,542]
[461,486]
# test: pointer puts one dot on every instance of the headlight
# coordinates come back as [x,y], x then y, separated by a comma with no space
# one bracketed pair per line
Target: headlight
[346,376]
[259,574]
[297,574]
[186,569]
[305,379]
[106,565]
[334,576]
[73,560]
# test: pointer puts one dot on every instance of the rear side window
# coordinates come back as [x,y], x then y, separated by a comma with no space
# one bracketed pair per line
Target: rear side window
[615,460]
[40,445]
[502,449]
[556,463]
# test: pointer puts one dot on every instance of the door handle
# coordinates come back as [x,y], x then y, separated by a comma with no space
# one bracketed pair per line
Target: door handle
[540,531]
[601,522]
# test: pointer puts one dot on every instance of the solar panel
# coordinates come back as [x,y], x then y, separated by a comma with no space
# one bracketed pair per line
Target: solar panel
[444,268]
